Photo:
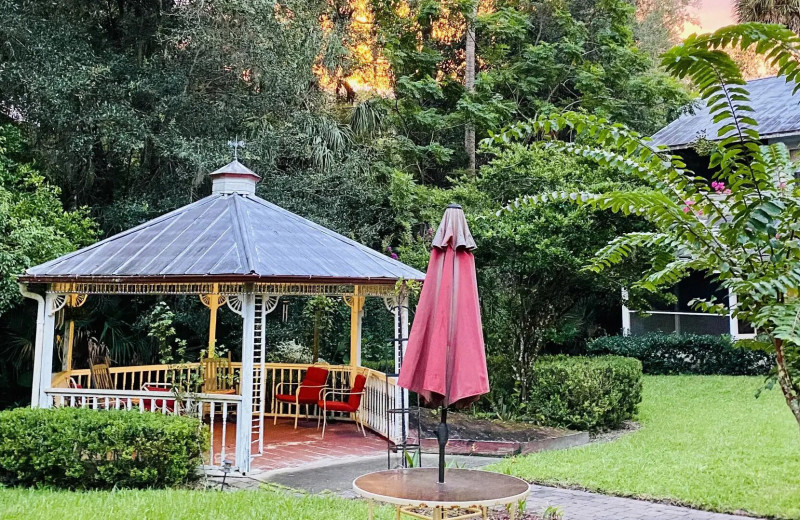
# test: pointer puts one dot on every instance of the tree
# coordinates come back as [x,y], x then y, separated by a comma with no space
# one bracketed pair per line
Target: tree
[128,103]
[34,228]
[741,227]
[534,296]
[469,83]
[784,12]
[535,57]
[660,23]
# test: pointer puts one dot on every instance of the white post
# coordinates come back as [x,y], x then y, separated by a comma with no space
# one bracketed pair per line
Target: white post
[401,397]
[733,321]
[244,417]
[356,321]
[38,341]
[626,314]
[45,356]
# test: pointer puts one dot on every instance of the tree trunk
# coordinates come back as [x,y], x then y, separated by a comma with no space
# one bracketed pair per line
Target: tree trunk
[785,380]
[469,83]
[315,351]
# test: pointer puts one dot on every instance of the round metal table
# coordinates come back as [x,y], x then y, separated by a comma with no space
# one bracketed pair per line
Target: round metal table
[467,492]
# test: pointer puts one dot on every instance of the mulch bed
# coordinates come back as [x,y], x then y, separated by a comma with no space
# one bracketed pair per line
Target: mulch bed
[470,435]
[467,427]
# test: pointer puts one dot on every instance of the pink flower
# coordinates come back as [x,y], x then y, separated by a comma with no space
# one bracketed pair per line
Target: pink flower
[699,211]
[394,256]
[686,209]
[727,192]
[782,185]
[689,202]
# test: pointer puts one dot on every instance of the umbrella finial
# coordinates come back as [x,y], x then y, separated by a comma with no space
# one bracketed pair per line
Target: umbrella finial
[454,231]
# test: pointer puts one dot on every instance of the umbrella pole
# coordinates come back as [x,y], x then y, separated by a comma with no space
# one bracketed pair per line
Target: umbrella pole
[442,434]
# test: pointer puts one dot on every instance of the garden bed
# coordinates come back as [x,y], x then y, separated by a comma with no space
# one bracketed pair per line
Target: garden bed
[470,435]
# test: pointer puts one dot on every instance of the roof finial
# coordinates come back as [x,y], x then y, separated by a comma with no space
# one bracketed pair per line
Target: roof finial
[236,144]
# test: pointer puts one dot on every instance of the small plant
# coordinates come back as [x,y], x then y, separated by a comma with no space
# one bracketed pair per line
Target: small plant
[412,459]
[552,513]
[407,288]
[289,352]
[162,329]
[520,507]
[508,410]
[319,313]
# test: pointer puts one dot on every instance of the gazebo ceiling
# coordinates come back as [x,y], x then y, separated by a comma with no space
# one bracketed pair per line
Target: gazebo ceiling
[231,235]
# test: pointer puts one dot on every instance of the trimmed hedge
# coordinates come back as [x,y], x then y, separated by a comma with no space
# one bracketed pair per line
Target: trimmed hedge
[686,354]
[585,393]
[98,449]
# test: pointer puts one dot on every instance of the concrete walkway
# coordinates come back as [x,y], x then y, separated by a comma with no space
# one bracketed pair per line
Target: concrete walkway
[575,505]
[580,505]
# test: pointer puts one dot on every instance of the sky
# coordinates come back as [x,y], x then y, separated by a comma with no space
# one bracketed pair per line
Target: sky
[711,15]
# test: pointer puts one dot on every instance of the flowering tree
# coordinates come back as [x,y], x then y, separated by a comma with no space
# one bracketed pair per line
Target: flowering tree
[743,228]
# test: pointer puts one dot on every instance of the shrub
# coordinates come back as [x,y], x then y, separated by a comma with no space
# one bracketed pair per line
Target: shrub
[686,354]
[585,393]
[94,449]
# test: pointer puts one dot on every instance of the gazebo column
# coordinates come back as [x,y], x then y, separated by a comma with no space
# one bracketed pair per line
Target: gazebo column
[213,301]
[69,342]
[244,417]
[72,300]
[356,304]
[43,346]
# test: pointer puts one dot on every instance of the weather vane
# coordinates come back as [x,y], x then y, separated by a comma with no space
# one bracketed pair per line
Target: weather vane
[236,144]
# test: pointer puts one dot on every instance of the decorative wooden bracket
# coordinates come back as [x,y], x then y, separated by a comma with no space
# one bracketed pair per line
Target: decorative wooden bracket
[68,300]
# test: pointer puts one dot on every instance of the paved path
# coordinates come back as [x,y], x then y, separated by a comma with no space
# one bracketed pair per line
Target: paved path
[580,505]
[337,478]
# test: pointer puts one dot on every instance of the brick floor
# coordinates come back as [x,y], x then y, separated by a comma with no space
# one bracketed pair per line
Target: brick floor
[581,505]
[285,447]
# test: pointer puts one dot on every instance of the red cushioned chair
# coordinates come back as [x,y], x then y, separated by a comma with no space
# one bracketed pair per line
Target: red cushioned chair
[308,392]
[159,405]
[351,405]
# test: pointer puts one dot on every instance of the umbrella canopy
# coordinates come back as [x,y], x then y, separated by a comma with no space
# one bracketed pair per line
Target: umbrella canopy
[445,361]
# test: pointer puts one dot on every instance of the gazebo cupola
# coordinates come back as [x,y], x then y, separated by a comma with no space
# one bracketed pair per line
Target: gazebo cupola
[234,177]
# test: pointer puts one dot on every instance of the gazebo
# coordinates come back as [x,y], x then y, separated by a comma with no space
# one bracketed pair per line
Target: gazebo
[232,249]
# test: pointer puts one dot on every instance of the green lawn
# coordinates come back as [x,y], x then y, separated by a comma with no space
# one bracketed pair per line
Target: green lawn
[705,441]
[17,504]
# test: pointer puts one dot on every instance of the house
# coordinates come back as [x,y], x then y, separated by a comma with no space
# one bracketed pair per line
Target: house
[777,110]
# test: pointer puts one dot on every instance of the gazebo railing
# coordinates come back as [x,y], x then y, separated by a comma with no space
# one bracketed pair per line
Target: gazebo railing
[219,409]
[373,412]
[134,377]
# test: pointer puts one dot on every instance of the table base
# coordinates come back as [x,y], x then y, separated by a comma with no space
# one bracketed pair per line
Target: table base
[443,513]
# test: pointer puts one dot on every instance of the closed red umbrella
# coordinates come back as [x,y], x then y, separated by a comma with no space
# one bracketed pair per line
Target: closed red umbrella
[445,361]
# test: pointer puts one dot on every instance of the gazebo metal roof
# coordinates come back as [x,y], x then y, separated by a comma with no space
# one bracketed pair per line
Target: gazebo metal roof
[776,108]
[227,236]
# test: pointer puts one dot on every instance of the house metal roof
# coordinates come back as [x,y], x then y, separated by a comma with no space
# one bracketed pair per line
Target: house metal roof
[777,111]
[231,236]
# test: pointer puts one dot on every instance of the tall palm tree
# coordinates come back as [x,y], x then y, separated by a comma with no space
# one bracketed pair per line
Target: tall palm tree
[785,12]
[469,83]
